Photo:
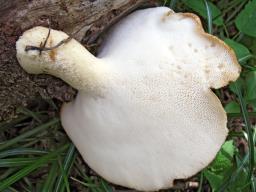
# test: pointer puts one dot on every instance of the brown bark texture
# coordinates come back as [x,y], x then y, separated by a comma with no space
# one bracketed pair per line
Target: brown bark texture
[89,17]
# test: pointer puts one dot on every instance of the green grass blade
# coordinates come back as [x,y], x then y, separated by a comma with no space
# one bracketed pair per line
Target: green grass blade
[30,113]
[89,185]
[49,183]
[28,169]
[64,179]
[248,130]
[68,161]
[88,181]
[8,172]
[28,134]
[10,189]
[105,186]
[172,4]
[28,183]
[250,114]
[209,16]
[201,182]
[245,58]
[6,125]
[22,151]
[231,6]
[253,184]
[17,162]
[238,8]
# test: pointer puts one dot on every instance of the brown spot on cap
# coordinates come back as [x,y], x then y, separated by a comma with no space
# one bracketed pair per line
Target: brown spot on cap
[213,44]
[221,66]
[167,14]
[207,71]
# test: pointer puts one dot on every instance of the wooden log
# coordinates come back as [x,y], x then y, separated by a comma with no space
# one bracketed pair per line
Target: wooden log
[91,17]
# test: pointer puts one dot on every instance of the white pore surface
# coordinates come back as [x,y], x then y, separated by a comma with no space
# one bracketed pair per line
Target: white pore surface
[156,118]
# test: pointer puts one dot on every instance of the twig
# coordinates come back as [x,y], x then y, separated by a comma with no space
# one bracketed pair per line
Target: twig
[41,48]
[44,48]
[48,35]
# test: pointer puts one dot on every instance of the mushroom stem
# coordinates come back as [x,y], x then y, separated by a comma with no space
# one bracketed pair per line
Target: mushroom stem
[70,61]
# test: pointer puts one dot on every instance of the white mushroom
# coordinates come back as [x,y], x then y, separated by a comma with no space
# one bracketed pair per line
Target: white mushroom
[145,114]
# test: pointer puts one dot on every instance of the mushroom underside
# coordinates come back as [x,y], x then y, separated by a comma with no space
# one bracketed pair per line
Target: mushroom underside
[145,114]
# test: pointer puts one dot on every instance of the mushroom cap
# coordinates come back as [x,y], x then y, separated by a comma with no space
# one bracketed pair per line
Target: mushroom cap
[155,119]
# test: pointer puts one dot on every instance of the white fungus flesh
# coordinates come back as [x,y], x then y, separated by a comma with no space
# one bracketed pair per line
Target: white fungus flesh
[145,113]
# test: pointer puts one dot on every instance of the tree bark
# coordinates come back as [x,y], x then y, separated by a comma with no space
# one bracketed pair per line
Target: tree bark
[90,17]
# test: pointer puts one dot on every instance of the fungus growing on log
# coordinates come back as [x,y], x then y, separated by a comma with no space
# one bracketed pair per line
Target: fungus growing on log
[145,113]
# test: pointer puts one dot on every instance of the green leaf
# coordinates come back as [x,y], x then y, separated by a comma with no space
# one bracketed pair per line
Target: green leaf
[240,83]
[232,107]
[253,46]
[224,159]
[228,148]
[222,165]
[240,50]
[246,20]
[199,7]
[214,179]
